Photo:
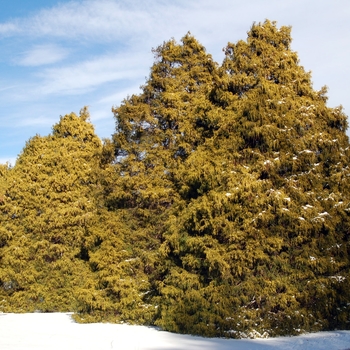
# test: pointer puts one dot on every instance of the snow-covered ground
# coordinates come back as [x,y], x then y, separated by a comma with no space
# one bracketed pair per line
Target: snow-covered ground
[58,331]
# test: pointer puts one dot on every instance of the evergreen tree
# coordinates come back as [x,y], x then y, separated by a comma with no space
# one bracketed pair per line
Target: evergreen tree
[255,233]
[155,132]
[47,213]
[220,207]
[4,180]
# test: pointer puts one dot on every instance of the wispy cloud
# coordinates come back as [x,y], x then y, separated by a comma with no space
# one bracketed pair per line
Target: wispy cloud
[111,20]
[9,28]
[8,87]
[102,20]
[43,55]
[38,121]
[84,76]
[117,97]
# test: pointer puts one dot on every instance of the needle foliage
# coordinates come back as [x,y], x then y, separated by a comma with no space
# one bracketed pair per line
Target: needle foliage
[220,206]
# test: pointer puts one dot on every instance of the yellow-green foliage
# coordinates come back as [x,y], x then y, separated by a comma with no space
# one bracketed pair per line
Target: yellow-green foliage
[250,167]
[220,207]
[48,211]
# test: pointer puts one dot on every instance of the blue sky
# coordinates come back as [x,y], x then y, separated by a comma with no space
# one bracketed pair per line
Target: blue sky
[58,56]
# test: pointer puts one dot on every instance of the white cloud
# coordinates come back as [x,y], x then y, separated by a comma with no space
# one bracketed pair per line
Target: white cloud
[110,20]
[9,28]
[87,75]
[32,121]
[102,20]
[117,97]
[5,88]
[10,160]
[42,55]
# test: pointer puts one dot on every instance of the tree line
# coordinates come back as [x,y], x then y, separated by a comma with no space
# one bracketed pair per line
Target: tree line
[219,207]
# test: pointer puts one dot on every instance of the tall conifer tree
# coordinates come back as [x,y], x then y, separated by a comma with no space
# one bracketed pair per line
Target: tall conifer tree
[256,232]
[47,212]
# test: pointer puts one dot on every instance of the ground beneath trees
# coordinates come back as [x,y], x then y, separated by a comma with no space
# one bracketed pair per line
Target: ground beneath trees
[58,331]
